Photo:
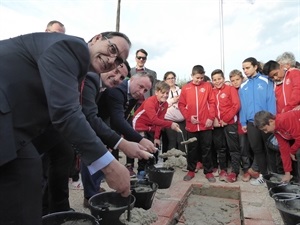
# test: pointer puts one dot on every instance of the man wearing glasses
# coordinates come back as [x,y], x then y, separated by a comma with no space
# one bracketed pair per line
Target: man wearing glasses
[141,58]
[40,75]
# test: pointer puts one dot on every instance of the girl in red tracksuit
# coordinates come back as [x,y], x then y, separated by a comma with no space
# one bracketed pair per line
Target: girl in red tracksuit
[225,132]
[197,105]
[149,117]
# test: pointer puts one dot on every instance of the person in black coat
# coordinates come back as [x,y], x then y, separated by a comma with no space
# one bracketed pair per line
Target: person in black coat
[39,82]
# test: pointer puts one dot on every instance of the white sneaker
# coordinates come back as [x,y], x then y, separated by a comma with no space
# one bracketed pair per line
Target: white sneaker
[258,181]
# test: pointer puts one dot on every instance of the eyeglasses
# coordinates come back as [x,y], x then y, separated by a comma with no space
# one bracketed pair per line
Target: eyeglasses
[171,78]
[141,57]
[114,52]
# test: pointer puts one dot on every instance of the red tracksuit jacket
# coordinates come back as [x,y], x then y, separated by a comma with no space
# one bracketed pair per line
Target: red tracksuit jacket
[150,116]
[287,127]
[197,100]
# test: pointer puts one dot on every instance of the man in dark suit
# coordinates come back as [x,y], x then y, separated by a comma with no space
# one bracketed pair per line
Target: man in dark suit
[141,58]
[39,81]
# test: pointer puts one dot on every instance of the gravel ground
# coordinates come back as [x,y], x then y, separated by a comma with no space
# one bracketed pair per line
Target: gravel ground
[76,196]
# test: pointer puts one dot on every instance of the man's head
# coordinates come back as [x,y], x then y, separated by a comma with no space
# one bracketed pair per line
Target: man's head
[55,26]
[265,121]
[116,76]
[141,58]
[140,83]
[108,50]
[162,91]
[274,71]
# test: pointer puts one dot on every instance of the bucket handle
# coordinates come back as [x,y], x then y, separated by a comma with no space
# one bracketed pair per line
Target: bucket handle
[290,196]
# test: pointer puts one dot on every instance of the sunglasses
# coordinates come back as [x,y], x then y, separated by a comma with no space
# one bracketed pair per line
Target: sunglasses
[141,57]
[113,51]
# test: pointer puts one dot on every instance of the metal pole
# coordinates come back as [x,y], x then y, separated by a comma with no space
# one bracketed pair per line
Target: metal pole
[221,35]
[118,16]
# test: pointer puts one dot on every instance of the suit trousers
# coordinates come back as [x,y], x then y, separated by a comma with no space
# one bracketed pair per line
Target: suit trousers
[21,189]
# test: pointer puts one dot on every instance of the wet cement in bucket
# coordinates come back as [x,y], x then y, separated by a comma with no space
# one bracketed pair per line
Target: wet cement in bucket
[139,216]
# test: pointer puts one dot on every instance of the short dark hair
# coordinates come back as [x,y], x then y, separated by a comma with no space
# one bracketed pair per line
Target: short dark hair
[141,50]
[262,118]
[162,86]
[128,68]
[54,22]
[111,34]
[269,66]
[217,71]
[198,69]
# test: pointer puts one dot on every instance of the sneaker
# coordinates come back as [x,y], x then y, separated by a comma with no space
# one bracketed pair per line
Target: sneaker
[131,172]
[246,177]
[190,175]
[199,166]
[222,175]
[210,177]
[215,172]
[253,173]
[231,177]
[258,181]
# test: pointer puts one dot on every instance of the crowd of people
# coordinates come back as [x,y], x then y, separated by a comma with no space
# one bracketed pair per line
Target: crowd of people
[64,100]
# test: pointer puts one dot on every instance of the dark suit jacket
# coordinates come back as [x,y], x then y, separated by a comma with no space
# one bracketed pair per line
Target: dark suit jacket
[39,79]
[90,97]
[117,109]
[154,80]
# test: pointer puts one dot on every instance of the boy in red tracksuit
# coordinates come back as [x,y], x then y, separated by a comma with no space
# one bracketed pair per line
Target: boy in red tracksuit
[286,127]
[149,119]
[197,105]
[225,131]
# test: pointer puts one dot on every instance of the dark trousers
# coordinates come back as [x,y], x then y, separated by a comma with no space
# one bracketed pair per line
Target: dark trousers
[246,158]
[91,183]
[232,140]
[219,148]
[201,146]
[267,160]
[21,189]
[174,138]
[56,191]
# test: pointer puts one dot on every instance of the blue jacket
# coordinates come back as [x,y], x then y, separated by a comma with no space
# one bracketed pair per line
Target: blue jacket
[256,94]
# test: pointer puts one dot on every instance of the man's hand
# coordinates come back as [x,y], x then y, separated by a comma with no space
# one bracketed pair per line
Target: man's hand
[148,145]
[175,127]
[134,150]
[117,177]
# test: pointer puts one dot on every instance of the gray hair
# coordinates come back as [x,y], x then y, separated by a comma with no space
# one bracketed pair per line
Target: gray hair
[287,58]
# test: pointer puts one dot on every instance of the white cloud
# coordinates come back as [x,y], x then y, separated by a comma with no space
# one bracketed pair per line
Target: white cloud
[177,34]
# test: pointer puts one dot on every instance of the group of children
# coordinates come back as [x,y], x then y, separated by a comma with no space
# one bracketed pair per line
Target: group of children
[229,121]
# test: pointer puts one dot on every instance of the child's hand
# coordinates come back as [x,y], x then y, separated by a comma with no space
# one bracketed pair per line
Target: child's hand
[208,123]
[293,157]
[194,119]
[156,142]
[244,128]
[216,123]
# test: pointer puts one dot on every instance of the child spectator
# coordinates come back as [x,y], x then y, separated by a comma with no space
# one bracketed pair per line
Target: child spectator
[225,126]
[197,104]
[286,127]
[236,78]
[148,119]
[256,94]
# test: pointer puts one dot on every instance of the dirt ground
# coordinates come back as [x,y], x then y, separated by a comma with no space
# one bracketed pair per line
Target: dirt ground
[261,193]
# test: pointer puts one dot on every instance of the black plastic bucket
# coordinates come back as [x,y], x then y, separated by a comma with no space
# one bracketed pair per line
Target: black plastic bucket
[285,188]
[288,205]
[163,176]
[144,192]
[108,207]
[272,180]
[76,218]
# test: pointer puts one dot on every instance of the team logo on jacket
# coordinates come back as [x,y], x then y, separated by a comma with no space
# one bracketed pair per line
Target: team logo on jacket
[259,86]
[202,90]
[288,81]
[223,95]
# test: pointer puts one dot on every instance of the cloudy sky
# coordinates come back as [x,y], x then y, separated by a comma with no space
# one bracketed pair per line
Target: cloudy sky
[177,34]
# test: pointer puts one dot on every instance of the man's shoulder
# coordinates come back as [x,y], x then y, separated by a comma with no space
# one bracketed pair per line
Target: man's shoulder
[151,72]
